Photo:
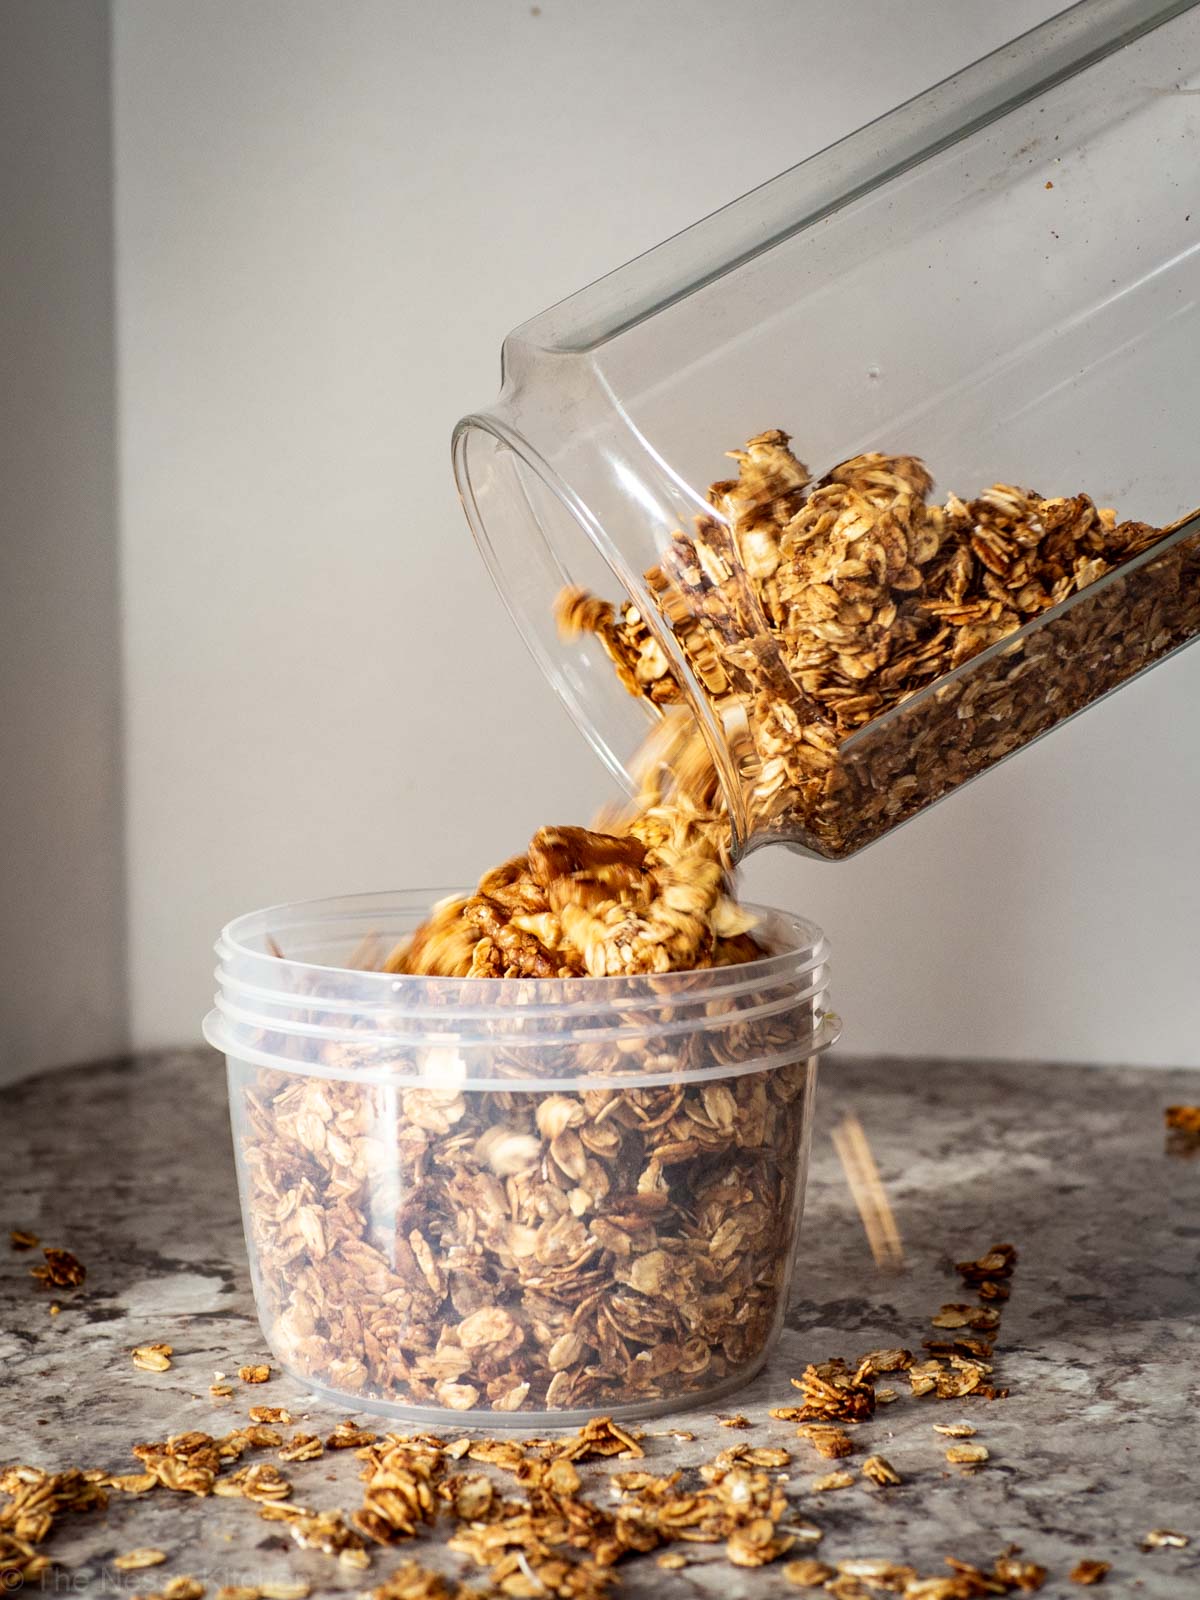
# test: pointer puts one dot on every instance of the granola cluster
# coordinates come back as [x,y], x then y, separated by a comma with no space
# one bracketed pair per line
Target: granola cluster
[807,611]
[578,903]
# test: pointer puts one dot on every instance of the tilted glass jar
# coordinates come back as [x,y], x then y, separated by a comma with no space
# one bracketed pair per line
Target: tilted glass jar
[1001,277]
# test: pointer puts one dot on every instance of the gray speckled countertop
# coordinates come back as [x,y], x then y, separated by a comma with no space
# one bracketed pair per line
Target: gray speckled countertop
[128,1163]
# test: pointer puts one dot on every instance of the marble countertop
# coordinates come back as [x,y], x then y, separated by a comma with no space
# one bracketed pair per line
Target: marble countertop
[128,1163]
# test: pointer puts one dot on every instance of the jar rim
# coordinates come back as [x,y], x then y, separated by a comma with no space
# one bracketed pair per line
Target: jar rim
[582,706]
[244,938]
[403,1031]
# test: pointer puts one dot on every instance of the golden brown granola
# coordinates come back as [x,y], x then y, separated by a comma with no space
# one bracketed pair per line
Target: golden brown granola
[1183,1130]
[580,903]
[806,611]
[302,1447]
[556,1250]
[61,1270]
[1088,1572]
[21,1239]
[1165,1539]
[411,1581]
[152,1357]
[827,1439]
[879,1470]
[132,1560]
[255,1374]
[832,1480]
[833,1392]
[807,1573]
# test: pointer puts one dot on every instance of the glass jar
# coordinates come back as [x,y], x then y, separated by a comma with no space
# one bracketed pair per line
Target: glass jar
[1001,277]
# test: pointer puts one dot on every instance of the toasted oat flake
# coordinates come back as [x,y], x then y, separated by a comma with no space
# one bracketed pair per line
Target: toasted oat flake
[153,1357]
[1165,1539]
[827,1439]
[954,1430]
[807,1573]
[832,1480]
[134,1559]
[1088,1572]
[1027,1576]
[349,1436]
[671,1561]
[981,1318]
[183,1587]
[302,1447]
[879,1574]
[880,1471]
[21,1240]
[964,1455]
[736,1421]
[255,1374]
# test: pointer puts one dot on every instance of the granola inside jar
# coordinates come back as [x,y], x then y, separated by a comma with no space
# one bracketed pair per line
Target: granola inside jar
[512,1197]
[819,657]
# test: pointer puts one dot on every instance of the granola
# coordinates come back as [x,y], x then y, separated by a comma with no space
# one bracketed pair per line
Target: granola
[1088,1572]
[508,1250]
[1183,1130]
[806,611]
[578,903]
[61,1269]
[152,1357]
[524,1251]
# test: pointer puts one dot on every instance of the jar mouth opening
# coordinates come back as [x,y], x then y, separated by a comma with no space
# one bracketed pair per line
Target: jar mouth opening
[289,997]
[537,537]
[302,947]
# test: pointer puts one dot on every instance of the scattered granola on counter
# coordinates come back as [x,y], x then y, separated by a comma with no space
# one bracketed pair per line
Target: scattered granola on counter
[1090,1572]
[152,1357]
[1183,1130]
[61,1270]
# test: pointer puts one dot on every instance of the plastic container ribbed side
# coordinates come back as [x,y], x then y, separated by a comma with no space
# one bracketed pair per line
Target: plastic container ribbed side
[505,1198]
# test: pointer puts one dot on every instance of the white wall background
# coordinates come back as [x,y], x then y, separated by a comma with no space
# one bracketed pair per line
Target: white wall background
[327,217]
[62,923]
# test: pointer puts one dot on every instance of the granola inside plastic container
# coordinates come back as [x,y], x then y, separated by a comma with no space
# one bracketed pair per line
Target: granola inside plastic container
[505,1198]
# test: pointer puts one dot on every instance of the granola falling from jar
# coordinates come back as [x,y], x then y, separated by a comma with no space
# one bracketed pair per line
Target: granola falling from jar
[807,612]
[496,1246]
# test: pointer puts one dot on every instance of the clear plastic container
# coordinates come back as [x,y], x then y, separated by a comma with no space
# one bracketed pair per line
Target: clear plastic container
[1001,277]
[515,1198]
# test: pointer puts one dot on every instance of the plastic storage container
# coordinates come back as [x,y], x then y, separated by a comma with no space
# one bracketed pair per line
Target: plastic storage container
[1001,277]
[505,1198]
